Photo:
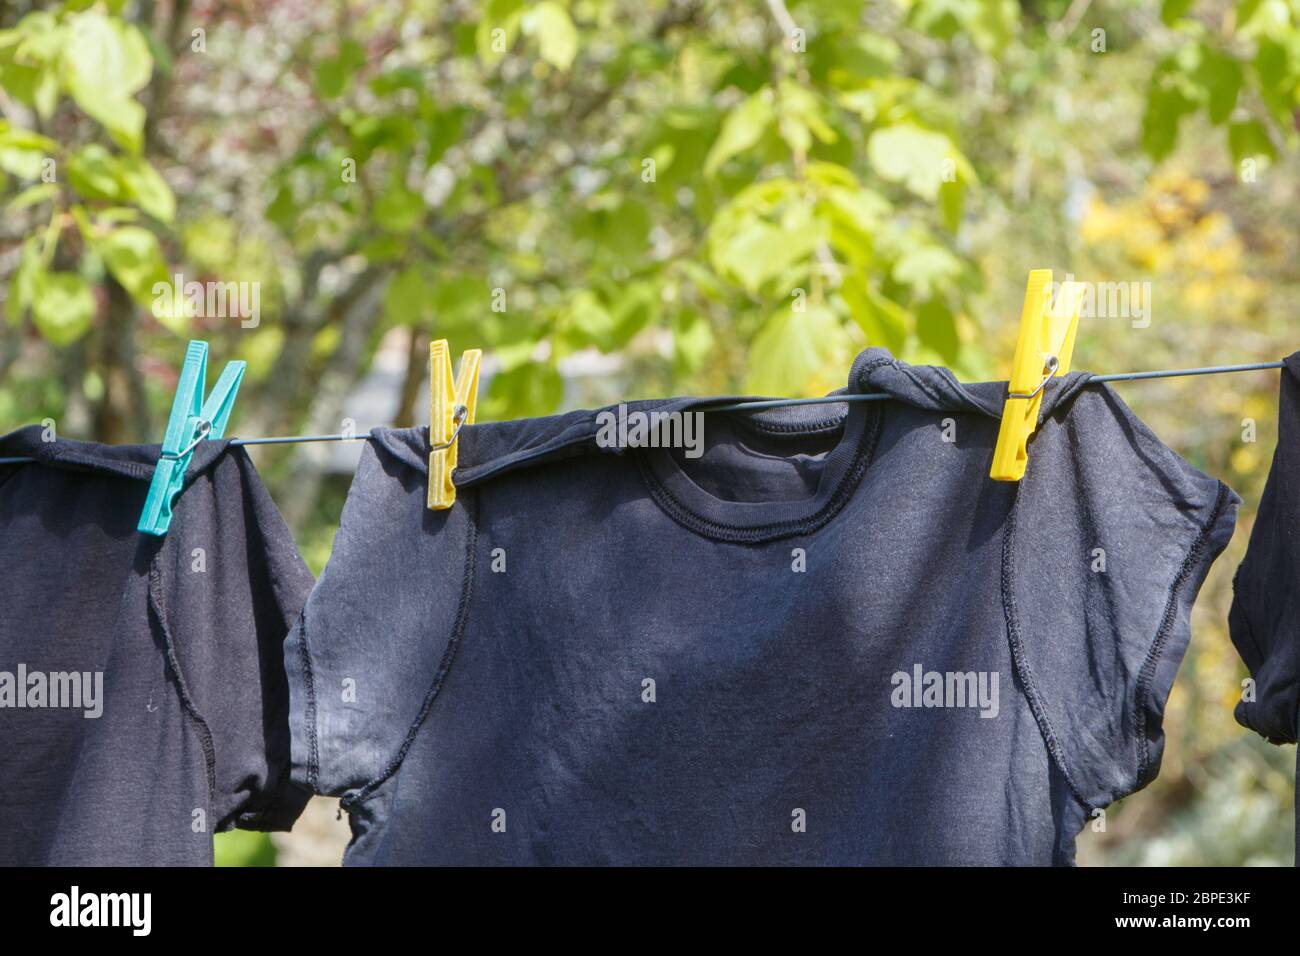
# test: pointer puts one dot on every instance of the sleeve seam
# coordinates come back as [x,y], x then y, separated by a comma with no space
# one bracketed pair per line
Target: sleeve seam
[309,713]
[1021,662]
[444,666]
[1147,674]
[157,604]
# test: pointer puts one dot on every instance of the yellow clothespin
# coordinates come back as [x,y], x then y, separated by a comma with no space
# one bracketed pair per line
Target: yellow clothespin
[1043,349]
[452,403]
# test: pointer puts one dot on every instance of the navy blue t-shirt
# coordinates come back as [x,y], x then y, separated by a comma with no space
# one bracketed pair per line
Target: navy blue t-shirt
[1265,617]
[821,636]
[143,701]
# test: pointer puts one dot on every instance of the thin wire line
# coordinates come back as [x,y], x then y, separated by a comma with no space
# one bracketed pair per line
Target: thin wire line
[786,402]
[1093,380]
[1175,373]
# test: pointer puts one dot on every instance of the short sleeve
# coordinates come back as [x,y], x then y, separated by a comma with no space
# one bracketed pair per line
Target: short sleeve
[228,583]
[379,633]
[1110,539]
[1264,621]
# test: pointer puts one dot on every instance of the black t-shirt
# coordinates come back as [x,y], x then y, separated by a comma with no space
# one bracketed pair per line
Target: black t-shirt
[821,635]
[143,701]
[1265,616]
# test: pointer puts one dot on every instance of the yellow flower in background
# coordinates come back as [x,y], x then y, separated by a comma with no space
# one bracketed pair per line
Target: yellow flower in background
[1169,233]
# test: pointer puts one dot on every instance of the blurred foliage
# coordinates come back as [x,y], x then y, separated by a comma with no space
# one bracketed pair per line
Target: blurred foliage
[704,197]
[243,848]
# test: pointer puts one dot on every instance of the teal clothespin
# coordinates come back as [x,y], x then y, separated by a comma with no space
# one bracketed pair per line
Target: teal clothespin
[191,421]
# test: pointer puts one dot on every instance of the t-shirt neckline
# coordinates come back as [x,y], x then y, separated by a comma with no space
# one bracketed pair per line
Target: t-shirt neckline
[678,494]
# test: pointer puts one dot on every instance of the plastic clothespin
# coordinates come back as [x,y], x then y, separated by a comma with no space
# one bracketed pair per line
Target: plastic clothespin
[452,404]
[1043,349]
[192,420]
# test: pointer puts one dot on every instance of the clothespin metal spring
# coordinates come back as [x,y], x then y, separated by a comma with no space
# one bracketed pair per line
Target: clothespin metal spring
[459,415]
[201,430]
[1049,369]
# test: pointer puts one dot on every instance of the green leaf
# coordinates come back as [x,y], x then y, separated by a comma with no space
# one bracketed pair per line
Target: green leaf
[586,321]
[445,130]
[763,251]
[22,151]
[133,256]
[558,38]
[693,342]
[114,215]
[1246,10]
[63,306]
[635,306]
[883,321]
[742,129]
[23,287]
[35,85]
[23,163]
[990,23]
[1277,86]
[503,15]
[1249,139]
[334,74]
[1172,11]
[94,173]
[939,18]
[398,209]
[1221,75]
[26,139]
[856,215]
[147,187]
[529,389]
[910,155]
[616,224]
[952,202]
[927,269]
[802,118]
[399,78]
[608,319]
[798,353]
[104,63]
[408,298]
[1168,101]
[937,329]
[33,196]
[29,73]
[768,229]
[163,61]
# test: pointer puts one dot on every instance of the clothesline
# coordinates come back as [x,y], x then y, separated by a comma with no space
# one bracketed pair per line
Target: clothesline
[1092,380]
[784,402]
